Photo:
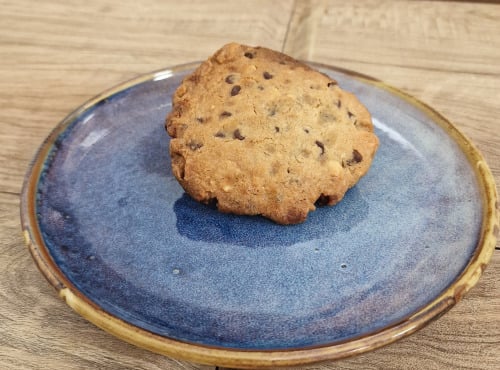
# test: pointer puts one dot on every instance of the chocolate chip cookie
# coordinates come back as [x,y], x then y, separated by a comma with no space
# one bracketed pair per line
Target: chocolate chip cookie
[259,133]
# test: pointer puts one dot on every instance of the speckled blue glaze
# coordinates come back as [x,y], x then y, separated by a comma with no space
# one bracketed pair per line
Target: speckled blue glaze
[122,230]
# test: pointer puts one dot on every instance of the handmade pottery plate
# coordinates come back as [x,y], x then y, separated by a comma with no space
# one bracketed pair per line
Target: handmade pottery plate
[111,229]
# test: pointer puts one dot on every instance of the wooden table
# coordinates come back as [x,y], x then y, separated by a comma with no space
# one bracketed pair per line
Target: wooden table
[54,55]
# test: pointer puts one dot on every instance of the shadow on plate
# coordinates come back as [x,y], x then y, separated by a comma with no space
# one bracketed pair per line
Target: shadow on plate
[200,222]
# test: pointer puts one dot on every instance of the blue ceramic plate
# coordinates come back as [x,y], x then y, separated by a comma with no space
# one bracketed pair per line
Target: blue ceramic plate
[113,231]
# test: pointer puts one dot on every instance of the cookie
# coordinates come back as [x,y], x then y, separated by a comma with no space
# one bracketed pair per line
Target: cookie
[256,132]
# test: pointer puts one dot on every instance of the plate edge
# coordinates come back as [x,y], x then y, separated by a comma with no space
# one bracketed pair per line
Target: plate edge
[258,358]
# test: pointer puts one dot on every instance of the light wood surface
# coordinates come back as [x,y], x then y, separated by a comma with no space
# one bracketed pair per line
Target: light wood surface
[54,55]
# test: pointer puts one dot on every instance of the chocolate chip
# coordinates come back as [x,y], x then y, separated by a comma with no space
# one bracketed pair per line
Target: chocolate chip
[194,145]
[220,134]
[356,156]
[321,146]
[267,75]
[332,83]
[230,79]
[200,119]
[237,134]
[306,130]
[212,202]
[323,200]
[225,114]
[350,114]
[235,90]
[276,128]
[249,55]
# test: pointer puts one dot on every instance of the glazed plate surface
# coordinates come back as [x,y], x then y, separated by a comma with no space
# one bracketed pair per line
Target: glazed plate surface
[112,230]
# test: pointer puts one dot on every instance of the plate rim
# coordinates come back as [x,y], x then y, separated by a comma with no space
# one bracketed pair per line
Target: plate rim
[244,358]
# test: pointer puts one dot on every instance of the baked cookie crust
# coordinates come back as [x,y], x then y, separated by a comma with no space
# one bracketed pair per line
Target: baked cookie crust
[259,133]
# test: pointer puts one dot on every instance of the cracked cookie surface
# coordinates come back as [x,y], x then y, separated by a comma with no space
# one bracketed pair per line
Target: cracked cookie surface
[258,133]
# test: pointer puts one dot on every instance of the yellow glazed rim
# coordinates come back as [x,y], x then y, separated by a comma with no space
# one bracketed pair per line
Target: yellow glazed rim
[260,358]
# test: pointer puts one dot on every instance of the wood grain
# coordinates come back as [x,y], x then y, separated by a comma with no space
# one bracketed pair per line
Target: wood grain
[445,54]
[54,55]
[300,39]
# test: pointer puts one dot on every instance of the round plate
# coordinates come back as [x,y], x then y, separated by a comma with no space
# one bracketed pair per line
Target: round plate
[111,229]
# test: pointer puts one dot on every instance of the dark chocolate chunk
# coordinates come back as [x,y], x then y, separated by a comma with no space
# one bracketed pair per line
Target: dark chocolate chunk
[230,79]
[235,90]
[306,130]
[249,55]
[220,134]
[276,128]
[237,134]
[212,202]
[321,146]
[200,119]
[350,114]
[356,158]
[267,75]
[331,83]
[225,114]
[323,200]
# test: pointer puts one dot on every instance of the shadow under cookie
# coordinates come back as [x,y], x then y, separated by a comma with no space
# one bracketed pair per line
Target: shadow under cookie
[201,222]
